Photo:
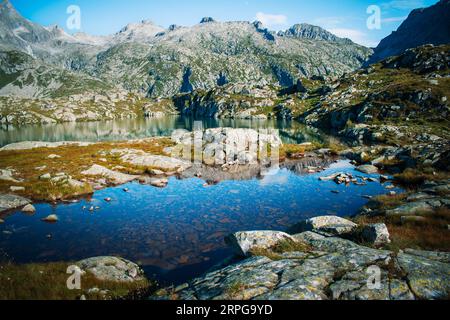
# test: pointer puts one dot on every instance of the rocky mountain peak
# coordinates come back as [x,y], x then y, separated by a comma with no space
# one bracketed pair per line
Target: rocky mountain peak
[307,31]
[143,31]
[207,20]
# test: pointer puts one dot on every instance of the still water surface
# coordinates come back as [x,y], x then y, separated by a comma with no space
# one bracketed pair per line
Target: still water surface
[177,233]
[290,131]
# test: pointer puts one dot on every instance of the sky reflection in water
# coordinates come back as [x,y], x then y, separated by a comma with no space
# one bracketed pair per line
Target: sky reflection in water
[177,232]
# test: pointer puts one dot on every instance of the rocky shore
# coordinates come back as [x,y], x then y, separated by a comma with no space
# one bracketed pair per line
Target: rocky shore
[321,264]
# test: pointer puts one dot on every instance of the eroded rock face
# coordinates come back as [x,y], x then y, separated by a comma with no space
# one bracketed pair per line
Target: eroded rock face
[243,243]
[10,202]
[112,269]
[334,269]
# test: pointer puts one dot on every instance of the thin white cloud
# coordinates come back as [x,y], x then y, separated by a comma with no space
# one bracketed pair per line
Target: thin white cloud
[328,22]
[271,20]
[403,4]
[356,36]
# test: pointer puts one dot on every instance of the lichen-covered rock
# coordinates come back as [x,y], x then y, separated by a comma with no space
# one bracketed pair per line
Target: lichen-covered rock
[334,269]
[114,176]
[112,269]
[428,279]
[10,202]
[331,225]
[431,255]
[140,158]
[375,234]
[243,243]
[412,208]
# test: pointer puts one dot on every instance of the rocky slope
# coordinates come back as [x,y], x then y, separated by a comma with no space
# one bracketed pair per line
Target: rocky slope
[401,102]
[423,26]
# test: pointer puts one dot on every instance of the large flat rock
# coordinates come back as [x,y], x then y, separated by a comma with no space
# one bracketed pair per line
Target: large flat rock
[114,176]
[10,202]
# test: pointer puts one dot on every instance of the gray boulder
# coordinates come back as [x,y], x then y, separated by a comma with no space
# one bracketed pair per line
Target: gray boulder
[328,225]
[367,168]
[112,269]
[243,243]
[10,202]
[376,234]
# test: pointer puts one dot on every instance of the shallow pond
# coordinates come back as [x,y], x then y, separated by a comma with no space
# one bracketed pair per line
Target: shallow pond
[177,232]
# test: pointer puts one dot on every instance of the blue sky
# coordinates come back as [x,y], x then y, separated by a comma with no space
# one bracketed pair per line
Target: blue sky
[346,18]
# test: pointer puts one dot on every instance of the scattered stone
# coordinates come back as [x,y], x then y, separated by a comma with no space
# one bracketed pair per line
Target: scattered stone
[108,199]
[335,191]
[368,169]
[159,183]
[126,189]
[16,189]
[384,178]
[29,208]
[54,156]
[7,175]
[83,297]
[112,269]
[51,218]
[45,176]
[243,243]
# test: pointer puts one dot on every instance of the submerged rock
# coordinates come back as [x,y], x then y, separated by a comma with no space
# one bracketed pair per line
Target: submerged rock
[51,218]
[112,269]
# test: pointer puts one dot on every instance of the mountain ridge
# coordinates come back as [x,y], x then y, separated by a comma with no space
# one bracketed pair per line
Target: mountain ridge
[153,61]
